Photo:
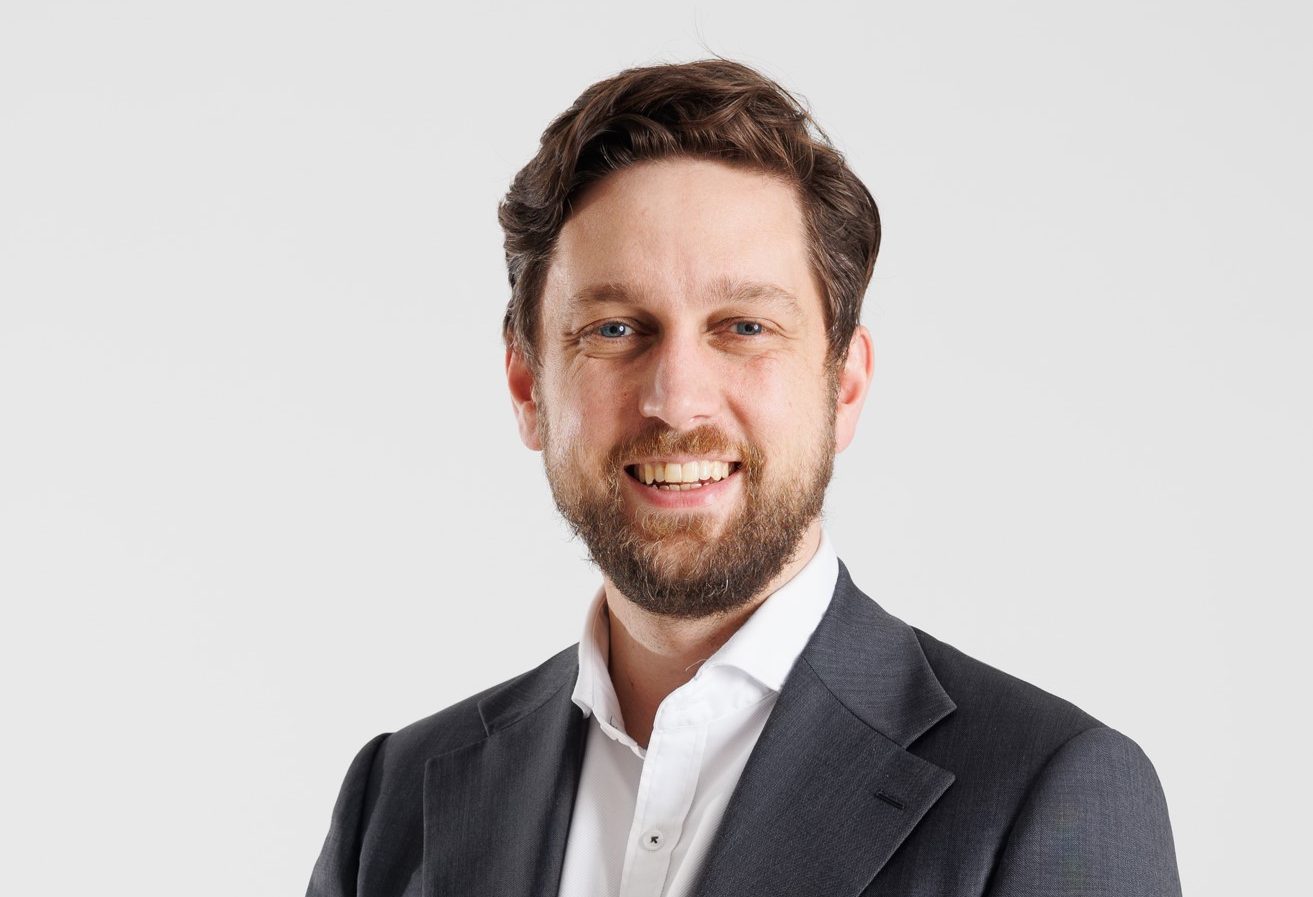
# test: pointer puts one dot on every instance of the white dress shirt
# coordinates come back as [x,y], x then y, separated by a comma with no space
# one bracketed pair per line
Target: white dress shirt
[644,819]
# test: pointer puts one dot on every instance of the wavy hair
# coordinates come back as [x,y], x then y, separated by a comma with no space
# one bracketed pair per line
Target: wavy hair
[708,109]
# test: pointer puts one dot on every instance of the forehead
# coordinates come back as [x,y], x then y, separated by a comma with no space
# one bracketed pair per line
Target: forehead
[683,231]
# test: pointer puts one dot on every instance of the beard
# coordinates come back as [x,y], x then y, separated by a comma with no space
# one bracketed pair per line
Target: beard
[673,563]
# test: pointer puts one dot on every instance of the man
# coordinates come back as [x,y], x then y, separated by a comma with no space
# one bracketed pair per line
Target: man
[687,256]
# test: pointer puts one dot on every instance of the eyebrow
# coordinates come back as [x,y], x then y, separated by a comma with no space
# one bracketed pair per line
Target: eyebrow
[754,291]
[601,293]
[722,291]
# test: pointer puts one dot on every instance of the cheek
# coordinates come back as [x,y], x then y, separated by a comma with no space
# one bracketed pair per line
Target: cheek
[784,406]
[582,412]
[566,422]
[775,390]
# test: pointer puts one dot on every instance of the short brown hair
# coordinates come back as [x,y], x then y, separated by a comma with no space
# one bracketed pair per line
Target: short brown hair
[711,109]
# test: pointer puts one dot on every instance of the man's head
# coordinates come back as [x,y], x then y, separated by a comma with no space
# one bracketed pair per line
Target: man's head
[687,257]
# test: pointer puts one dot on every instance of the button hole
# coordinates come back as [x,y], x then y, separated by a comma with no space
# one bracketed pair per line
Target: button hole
[891,801]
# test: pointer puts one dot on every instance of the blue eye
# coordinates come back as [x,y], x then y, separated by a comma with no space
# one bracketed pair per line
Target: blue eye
[613,330]
[748,328]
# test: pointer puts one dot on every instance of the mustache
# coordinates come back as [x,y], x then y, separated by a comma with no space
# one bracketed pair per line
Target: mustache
[704,440]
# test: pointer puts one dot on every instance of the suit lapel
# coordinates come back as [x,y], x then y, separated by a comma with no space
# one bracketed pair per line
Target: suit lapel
[827,796]
[830,791]
[496,813]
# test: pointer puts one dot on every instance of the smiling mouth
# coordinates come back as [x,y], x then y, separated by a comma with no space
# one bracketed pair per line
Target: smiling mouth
[677,477]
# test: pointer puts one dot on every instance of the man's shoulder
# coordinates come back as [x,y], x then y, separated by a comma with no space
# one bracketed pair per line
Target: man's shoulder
[469,720]
[1002,722]
[1042,789]
[928,695]
[978,687]
[379,811]
[997,711]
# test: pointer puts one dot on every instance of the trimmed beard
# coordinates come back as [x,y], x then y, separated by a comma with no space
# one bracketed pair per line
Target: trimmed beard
[670,563]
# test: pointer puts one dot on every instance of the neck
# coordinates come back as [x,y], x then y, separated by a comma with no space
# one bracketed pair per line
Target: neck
[652,655]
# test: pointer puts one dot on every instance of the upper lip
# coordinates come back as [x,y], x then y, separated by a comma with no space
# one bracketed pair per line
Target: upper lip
[680,459]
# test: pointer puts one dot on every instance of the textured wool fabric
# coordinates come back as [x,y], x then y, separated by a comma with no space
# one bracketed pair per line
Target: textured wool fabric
[892,764]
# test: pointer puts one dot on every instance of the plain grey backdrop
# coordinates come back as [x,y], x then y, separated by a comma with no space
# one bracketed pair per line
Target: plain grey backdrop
[261,496]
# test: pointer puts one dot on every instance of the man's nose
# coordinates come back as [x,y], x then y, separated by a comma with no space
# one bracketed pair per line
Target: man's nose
[680,385]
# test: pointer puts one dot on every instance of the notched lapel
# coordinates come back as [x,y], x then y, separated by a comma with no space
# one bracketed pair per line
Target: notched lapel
[830,791]
[496,813]
[822,804]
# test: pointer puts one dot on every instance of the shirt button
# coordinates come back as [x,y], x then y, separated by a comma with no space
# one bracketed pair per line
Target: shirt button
[653,839]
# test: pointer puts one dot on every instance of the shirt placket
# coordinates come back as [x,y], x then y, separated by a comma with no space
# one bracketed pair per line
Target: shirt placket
[665,794]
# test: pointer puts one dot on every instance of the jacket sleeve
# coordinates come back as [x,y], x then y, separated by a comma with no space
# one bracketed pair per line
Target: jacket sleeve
[335,872]
[1094,824]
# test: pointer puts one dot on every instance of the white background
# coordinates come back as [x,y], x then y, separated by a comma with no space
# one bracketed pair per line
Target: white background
[260,493]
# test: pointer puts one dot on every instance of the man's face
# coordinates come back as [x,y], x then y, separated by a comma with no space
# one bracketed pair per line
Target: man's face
[684,402]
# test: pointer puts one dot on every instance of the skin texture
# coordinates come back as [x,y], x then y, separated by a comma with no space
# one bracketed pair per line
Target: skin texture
[705,269]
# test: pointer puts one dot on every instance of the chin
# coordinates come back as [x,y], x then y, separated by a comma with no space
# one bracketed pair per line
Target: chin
[686,528]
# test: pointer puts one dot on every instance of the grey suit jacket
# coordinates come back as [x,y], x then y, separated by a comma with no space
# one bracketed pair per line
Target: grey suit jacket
[892,764]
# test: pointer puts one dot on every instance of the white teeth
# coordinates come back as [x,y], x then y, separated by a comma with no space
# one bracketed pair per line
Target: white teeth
[677,476]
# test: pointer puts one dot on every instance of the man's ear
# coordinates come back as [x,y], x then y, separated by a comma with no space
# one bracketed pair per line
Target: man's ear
[854,380]
[520,380]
